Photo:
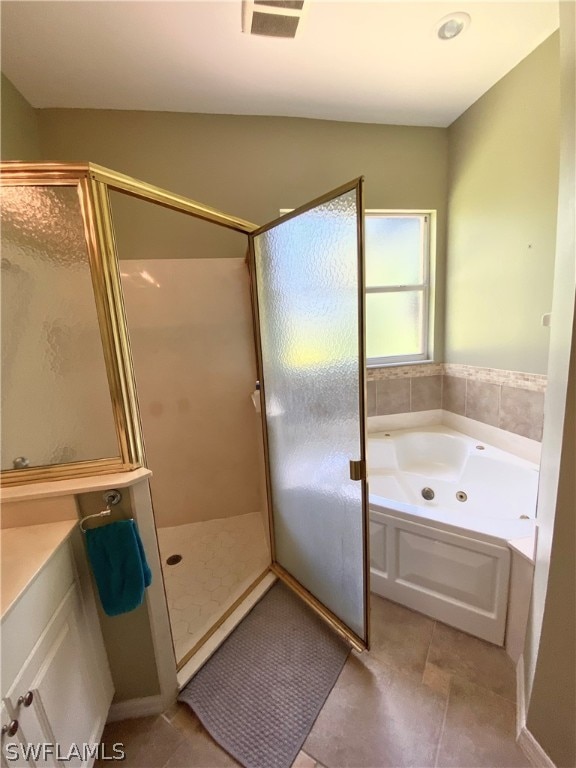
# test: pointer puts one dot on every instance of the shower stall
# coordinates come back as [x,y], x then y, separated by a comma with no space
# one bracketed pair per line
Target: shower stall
[186,293]
[191,307]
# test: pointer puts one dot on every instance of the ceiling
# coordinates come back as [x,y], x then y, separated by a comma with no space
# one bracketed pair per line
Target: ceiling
[378,62]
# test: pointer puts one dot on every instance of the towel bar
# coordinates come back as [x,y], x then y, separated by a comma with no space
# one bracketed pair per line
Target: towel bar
[104,513]
[111,498]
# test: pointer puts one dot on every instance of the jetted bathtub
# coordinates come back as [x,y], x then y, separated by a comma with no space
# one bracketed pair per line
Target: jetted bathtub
[443,507]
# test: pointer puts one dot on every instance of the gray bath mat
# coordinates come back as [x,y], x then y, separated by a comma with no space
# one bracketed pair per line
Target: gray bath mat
[261,692]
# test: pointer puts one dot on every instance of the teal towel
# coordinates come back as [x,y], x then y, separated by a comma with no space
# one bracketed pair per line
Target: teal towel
[119,566]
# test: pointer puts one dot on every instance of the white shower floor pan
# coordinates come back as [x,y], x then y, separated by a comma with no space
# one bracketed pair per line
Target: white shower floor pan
[220,559]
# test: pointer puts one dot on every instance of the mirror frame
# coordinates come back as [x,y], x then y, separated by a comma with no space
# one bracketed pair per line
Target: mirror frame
[93,182]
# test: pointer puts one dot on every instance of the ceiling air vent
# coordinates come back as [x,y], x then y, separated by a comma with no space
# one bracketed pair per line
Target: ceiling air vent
[272,18]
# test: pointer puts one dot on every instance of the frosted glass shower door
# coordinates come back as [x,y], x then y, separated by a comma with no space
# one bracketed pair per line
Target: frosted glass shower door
[309,304]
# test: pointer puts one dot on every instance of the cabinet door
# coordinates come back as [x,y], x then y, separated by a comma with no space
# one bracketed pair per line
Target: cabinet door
[12,753]
[67,708]
[35,737]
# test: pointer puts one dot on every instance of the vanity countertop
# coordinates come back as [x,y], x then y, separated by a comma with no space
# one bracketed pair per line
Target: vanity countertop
[525,547]
[24,552]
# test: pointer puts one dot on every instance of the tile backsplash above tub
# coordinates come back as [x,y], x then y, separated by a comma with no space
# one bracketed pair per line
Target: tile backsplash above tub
[386,396]
[510,400]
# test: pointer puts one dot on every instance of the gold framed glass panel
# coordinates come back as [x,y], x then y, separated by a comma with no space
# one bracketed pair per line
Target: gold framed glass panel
[68,408]
[308,290]
[63,217]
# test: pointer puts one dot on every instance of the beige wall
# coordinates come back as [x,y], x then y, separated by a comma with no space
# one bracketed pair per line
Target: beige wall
[18,125]
[502,219]
[550,648]
[253,166]
[148,231]
[127,637]
[552,710]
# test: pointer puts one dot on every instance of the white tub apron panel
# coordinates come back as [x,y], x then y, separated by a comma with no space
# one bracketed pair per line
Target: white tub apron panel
[455,579]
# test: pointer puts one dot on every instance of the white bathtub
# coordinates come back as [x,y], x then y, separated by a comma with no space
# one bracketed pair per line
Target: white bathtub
[447,557]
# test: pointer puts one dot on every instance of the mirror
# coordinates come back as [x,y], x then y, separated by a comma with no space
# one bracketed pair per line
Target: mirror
[56,405]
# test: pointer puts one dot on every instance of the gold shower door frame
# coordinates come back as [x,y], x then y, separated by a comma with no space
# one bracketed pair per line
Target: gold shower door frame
[93,183]
[357,467]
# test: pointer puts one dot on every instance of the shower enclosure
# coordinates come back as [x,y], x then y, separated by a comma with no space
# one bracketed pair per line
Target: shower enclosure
[188,323]
[187,301]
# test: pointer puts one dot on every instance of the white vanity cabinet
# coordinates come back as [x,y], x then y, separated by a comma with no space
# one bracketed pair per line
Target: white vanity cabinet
[55,677]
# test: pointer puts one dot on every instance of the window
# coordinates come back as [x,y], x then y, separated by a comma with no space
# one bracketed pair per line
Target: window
[398,301]
[399,277]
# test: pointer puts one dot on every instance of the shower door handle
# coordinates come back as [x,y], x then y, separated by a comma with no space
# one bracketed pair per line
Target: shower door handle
[357,470]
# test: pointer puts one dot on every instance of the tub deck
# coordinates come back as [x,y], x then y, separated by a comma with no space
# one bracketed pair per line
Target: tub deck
[500,488]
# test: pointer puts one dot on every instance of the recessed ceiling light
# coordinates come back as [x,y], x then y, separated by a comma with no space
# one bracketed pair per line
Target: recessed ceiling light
[452,25]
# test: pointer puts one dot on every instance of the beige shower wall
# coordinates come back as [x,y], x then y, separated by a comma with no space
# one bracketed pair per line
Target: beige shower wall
[192,340]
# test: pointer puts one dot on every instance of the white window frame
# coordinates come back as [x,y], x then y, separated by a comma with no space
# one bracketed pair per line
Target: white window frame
[426,286]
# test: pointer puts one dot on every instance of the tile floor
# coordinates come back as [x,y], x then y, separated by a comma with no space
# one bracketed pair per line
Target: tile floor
[220,559]
[426,696]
